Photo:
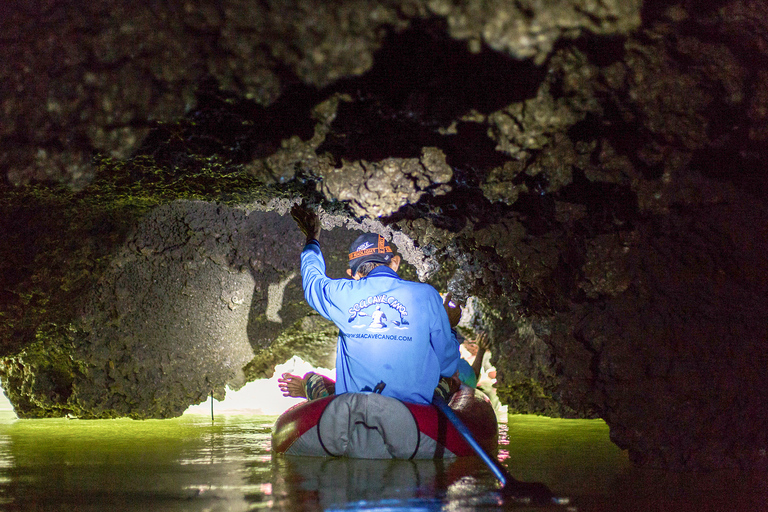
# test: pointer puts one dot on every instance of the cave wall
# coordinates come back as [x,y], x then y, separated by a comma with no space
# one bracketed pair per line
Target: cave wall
[591,173]
[195,290]
[199,298]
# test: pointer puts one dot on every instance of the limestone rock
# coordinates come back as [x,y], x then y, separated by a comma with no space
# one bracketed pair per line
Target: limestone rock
[381,188]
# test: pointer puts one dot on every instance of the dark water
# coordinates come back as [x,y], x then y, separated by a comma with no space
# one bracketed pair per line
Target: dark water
[190,464]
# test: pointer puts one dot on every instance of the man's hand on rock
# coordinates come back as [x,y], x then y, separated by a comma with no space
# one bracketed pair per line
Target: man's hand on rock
[307,220]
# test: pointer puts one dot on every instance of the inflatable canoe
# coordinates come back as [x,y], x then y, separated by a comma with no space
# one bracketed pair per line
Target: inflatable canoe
[372,426]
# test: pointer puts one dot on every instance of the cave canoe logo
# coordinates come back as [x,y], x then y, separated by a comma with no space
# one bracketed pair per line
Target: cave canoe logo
[379,313]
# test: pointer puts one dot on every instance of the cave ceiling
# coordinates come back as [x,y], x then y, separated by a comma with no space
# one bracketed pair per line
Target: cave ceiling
[590,173]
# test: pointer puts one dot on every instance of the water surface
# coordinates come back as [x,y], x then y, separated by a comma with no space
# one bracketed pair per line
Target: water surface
[194,464]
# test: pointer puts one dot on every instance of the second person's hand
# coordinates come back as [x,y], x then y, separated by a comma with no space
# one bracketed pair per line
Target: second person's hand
[453,310]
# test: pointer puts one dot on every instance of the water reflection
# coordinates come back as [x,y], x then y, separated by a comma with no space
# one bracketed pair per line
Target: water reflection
[350,484]
[191,464]
[181,464]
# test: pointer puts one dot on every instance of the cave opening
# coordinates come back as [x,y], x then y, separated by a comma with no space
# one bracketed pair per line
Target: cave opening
[5,404]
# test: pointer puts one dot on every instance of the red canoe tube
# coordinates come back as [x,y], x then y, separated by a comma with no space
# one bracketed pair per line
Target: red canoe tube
[372,426]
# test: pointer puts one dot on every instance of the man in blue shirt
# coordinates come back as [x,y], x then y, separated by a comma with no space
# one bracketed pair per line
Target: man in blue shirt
[396,337]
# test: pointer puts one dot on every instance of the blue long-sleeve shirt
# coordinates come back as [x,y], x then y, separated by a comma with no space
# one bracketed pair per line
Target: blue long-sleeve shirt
[390,330]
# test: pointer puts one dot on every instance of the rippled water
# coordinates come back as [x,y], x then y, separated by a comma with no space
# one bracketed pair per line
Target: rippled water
[192,464]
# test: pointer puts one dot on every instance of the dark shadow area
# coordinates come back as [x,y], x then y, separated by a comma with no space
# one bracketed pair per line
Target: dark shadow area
[610,206]
[743,166]
[425,75]
[654,10]
[236,129]
[600,50]
[421,81]
[627,138]
[472,153]
[734,156]
[537,213]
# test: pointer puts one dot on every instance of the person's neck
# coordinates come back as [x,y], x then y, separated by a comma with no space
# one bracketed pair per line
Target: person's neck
[381,268]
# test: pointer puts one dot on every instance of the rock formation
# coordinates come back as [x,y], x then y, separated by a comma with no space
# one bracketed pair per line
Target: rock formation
[587,174]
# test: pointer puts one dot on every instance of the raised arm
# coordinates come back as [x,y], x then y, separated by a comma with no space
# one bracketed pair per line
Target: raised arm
[482,346]
[312,262]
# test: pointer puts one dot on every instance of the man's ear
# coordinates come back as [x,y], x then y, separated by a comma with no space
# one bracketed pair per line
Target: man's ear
[394,263]
[349,272]
[354,276]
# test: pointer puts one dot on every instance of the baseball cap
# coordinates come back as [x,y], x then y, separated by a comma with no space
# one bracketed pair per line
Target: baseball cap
[369,247]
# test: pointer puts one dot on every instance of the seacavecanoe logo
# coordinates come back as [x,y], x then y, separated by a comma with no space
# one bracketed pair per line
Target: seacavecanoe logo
[379,313]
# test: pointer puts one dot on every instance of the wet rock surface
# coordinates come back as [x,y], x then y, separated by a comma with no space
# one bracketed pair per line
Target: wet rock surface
[589,173]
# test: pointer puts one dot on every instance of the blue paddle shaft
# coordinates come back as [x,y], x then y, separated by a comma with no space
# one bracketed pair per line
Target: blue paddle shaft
[531,490]
[501,474]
